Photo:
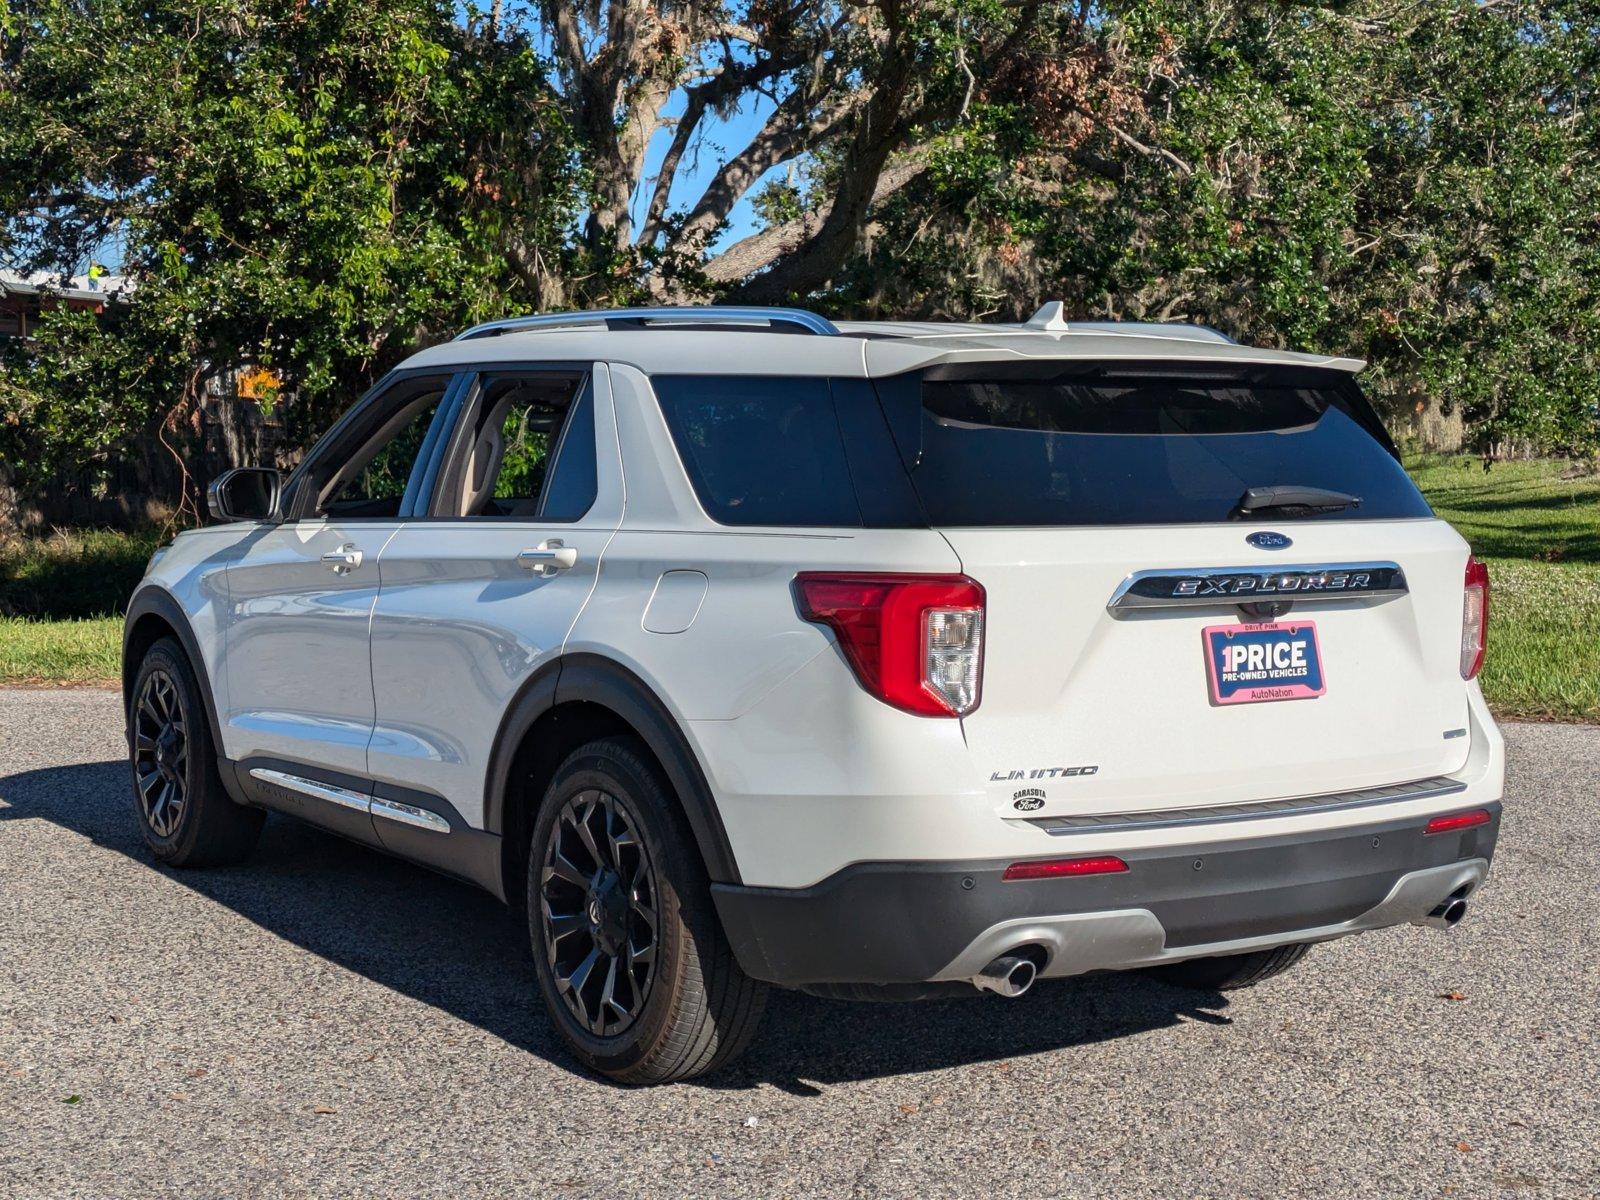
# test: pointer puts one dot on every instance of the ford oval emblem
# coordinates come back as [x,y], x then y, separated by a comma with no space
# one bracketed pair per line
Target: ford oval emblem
[1268,540]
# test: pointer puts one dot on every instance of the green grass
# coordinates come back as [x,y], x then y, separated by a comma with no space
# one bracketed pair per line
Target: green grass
[61,597]
[72,573]
[1540,535]
[83,651]
[1544,640]
[1515,509]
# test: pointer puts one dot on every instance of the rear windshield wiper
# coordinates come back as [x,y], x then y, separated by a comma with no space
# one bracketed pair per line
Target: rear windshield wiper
[1293,498]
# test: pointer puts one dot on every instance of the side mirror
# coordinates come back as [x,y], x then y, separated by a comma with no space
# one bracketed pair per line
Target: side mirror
[246,494]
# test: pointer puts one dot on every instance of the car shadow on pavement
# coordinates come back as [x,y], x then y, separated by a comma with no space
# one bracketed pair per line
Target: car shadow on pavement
[458,949]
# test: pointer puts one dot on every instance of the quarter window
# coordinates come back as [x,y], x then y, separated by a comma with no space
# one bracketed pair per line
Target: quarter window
[761,451]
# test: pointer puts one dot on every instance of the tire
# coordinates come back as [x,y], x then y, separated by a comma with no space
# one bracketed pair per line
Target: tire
[185,815]
[1227,972]
[679,1004]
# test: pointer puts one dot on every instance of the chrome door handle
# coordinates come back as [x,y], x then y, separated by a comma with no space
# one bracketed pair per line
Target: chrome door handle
[548,557]
[343,560]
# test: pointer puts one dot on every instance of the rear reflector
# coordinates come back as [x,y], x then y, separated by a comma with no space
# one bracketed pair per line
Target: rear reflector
[1454,821]
[1055,868]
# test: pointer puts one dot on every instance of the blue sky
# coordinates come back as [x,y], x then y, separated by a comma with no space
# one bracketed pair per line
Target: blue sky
[720,141]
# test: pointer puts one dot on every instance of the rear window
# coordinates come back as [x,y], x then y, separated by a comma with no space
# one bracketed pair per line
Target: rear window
[761,451]
[1132,450]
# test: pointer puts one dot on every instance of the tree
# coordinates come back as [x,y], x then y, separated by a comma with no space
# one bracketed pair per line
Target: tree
[1410,182]
[317,188]
[308,187]
[863,92]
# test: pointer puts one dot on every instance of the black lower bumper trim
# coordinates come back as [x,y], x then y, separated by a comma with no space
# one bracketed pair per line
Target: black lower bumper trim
[904,922]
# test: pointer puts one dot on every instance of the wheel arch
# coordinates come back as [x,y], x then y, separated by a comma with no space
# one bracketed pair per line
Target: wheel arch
[573,700]
[153,614]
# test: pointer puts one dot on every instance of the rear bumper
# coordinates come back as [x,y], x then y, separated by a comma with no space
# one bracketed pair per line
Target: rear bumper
[909,922]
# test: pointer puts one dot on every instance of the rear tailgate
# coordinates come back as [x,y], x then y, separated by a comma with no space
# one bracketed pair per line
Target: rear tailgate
[1060,483]
[1114,711]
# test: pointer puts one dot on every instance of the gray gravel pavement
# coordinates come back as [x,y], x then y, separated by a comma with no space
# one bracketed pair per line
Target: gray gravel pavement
[328,1022]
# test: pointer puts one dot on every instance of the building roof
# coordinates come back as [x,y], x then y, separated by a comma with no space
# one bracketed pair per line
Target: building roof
[75,287]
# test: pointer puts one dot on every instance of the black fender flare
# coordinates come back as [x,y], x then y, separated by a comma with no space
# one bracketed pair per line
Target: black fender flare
[156,601]
[594,679]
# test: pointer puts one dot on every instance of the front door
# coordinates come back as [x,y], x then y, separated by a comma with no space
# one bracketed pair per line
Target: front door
[299,679]
[482,592]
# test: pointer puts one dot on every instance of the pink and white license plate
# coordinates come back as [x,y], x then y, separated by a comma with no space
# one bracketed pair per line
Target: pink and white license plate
[1249,664]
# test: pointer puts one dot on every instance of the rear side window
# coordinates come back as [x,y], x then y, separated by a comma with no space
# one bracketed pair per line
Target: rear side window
[1106,449]
[760,451]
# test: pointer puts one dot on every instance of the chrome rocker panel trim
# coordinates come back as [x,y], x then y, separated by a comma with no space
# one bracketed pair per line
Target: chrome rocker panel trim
[392,810]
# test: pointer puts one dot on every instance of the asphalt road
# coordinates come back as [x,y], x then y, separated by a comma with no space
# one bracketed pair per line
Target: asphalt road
[328,1022]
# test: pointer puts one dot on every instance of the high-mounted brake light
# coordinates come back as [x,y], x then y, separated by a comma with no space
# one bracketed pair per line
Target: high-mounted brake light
[914,641]
[1474,618]
[1455,821]
[1058,868]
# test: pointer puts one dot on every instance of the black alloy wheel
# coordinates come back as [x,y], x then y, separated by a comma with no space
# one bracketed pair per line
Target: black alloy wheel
[600,908]
[160,753]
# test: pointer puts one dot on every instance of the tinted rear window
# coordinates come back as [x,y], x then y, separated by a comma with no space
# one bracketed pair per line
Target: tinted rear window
[760,451]
[1126,450]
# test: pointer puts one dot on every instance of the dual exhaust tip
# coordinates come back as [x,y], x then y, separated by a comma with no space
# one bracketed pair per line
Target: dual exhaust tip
[1012,974]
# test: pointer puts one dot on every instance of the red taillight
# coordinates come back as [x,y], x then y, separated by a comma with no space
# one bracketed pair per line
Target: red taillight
[1454,821]
[1474,618]
[1057,868]
[914,641]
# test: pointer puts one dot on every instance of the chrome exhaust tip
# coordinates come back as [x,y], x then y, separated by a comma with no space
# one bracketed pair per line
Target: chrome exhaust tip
[1008,975]
[1448,915]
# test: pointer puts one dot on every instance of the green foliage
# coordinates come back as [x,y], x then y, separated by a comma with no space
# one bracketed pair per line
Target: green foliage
[77,574]
[309,187]
[525,458]
[1415,184]
[317,189]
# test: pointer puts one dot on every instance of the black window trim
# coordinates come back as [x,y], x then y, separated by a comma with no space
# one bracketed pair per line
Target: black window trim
[349,434]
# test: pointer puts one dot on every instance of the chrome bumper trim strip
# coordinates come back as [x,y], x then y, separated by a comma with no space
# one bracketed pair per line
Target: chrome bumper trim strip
[1421,789]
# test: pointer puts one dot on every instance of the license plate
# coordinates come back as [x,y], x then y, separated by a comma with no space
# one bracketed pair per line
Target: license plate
[1247,664]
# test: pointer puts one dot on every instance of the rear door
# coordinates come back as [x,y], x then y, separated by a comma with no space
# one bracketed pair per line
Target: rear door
[481,591]
[1109,517]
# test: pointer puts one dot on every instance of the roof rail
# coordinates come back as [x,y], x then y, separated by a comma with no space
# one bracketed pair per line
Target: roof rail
[641,318]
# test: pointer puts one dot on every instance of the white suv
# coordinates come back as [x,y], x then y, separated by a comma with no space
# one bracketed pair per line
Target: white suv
[735,648]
